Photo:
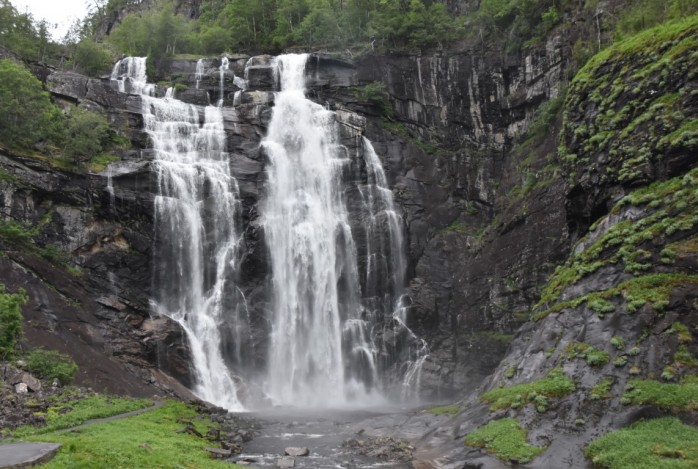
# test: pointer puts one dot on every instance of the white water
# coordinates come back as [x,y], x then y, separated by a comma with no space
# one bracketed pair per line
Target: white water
[222,69]
[385,271]
[199,72]
[312,250]
[196,239]
[326,308]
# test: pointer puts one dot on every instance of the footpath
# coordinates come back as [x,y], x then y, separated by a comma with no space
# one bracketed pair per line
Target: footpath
[28,454]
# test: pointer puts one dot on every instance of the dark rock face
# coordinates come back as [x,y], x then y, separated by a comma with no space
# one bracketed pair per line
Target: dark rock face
[465,281]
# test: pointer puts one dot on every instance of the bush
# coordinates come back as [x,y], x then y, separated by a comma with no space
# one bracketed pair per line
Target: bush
[27,116]
[88,134]
[91,58]
[49,364]
[10,321]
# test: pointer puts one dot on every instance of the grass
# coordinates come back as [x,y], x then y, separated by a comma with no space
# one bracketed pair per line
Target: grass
[602,390]
[145,440]
[554,385]
[647,444]
[505,439]
[68,412]
[681,396]
[592,355]
[444,410]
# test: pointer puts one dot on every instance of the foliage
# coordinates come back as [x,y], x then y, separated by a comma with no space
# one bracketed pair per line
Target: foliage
[68,410]
[376,94]
[91,58]
[87,135]
[643,14]
[649,444]
[681,396]
[667,211]
[10,321]
[27,116]
[505,439]
[150,439]
[22,36]
[592,355]
[266,25]
[444,410]
[49,364]
[601,390]
[555,384]
[633,116]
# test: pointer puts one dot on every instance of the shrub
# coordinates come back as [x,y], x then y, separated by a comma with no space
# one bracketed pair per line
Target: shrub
[657,443]
[505,439]
[10,321]
[88,133]
[91,58]
[555,384]
[49,364]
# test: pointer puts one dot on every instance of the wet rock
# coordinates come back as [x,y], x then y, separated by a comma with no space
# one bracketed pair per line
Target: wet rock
[285,462]
[296,451]
[218,453]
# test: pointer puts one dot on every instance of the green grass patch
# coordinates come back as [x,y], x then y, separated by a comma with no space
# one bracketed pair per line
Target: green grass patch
[647,444]
[146,440]
[50,365]
[592,355]
[681,396]
[554,385]
[505,439]
[100,163]
[602,390]
[444,410]
[67,411]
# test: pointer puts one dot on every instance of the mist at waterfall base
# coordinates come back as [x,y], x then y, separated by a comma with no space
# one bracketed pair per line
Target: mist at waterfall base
[337,333]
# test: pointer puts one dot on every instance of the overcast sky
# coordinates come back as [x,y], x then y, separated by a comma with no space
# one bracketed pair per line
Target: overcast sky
[56,12]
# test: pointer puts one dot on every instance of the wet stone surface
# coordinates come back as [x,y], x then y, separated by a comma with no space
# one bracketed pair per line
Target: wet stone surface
[334,438]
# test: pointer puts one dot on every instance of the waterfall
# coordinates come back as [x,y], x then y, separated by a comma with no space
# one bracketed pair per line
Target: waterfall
[196,235]
[315,279]
[385,273]
[199,72]
[130,76]
[326,345]
[222,69]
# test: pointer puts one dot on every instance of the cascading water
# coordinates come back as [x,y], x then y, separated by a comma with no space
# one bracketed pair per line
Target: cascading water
[196,239]
[315,280]
[384,274]
[324,347]
[199,72]
[222,69]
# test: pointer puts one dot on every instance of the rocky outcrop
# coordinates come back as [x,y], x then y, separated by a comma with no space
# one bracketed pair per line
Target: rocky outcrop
[616,321]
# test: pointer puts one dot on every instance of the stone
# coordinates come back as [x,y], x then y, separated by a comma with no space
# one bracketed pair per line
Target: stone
[21,388]
[32,383]
[218,453]
[285,462]
[296,451]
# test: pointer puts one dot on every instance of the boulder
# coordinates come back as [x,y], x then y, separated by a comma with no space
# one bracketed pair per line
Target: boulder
[285,462]
[21,388]
[296,451]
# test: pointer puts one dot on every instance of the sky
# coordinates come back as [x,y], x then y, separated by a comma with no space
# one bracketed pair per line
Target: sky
[56,12]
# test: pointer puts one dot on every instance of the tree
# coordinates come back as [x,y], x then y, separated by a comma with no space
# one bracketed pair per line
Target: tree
[27,115]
